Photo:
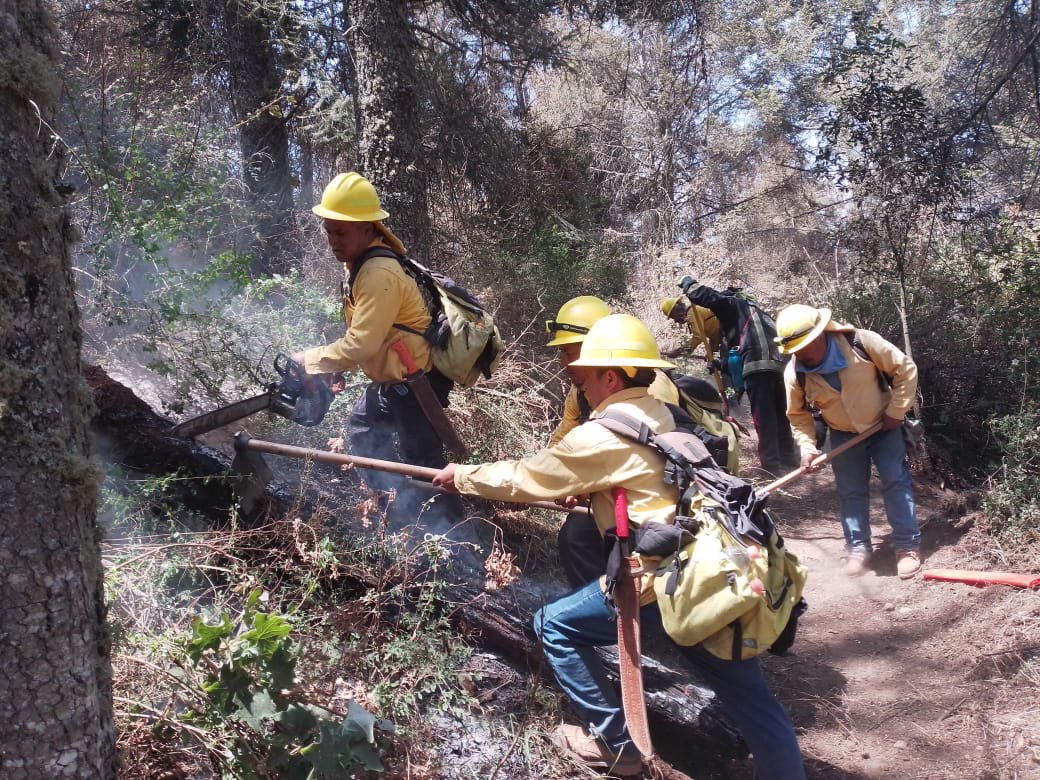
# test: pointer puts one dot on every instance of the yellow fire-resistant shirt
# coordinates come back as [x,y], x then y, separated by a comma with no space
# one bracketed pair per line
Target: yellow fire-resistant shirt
[703,324]
[590,459]
[662,388]
[861,401]
[384,295]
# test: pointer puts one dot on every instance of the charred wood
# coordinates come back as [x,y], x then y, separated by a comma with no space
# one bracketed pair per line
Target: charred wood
[688,727]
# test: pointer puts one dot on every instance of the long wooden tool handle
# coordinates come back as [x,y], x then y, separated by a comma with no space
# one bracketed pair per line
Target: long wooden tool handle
[786,479]
[405,469]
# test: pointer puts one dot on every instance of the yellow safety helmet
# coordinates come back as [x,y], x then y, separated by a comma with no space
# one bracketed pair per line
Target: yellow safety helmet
[798,325]
[350,197]
[668,304]
[574,320]
[620,340]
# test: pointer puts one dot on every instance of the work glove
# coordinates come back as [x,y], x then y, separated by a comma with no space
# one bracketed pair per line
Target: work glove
[686,283]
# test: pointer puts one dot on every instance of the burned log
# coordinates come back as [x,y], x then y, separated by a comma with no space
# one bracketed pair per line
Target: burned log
[683,714]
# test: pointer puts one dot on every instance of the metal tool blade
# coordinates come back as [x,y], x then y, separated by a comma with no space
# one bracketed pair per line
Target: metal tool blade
[250,473]
[420,385]
[225,415]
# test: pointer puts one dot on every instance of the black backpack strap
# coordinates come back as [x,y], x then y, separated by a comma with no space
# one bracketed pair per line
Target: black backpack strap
[368,254]
[407,265]
[856,342]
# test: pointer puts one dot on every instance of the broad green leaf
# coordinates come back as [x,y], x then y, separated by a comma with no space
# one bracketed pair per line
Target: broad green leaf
[267,628]
[206,637]
[260,708]
[359,723]
[298,721]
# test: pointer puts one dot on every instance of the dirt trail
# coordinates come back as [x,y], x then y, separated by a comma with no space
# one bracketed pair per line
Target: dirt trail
[906,679]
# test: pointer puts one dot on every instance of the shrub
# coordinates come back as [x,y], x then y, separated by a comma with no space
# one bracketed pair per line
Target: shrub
[1012,505]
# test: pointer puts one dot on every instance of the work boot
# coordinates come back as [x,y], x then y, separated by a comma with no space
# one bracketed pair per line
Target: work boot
[908,563]
[856,564]
[587,748]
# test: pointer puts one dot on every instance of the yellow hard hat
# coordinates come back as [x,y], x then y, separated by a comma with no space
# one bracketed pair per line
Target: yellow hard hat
[623,341]
[350,197]
[798,325]
[574,320]
[668,304]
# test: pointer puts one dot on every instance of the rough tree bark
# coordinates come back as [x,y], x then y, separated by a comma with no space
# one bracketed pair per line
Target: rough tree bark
[387,95]
[255,78]
[55,691]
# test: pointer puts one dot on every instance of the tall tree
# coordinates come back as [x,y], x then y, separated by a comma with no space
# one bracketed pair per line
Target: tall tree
[388,102]
[254,34]
[55,692]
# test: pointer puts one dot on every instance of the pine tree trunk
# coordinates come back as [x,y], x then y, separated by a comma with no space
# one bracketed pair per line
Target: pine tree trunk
[388,99]
[55,689]
[256,83]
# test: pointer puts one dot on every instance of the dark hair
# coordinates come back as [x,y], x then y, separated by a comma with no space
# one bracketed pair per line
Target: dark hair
[644,376]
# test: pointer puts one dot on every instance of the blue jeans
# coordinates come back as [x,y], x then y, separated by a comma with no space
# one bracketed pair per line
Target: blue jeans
[887,450]
[572,626]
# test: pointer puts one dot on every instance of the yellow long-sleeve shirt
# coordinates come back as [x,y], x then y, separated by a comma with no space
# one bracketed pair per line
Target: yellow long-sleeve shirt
[590,459]
[703,324]
[861,401]
[383,295]
[664,390]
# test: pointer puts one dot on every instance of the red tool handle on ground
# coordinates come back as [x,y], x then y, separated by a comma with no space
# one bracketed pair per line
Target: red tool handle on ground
[819,461]
[981,578]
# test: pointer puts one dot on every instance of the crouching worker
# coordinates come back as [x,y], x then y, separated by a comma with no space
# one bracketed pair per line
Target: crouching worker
[620,355]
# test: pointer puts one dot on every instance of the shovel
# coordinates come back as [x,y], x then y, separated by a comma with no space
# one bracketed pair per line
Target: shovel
[250,465]
[786,479]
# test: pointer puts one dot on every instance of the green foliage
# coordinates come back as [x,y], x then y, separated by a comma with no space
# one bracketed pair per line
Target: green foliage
[249,674]
[1012,505]
[134,507]
[418,661]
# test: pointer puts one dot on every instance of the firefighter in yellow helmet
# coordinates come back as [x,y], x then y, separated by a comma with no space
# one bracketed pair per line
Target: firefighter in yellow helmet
[856,379]
[567,332]
[378,298]
[621,355]
[702,323]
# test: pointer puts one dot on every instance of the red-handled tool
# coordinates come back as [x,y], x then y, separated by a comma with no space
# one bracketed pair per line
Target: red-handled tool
[626,596]
[419,384]
[981,578]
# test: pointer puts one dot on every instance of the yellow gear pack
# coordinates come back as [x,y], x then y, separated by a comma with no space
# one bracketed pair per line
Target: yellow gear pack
[725,579]
[464,341]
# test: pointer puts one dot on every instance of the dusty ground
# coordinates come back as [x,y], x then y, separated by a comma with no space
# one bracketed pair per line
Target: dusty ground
[907,679]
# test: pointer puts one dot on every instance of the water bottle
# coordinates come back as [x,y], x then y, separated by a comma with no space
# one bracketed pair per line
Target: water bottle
[735,367]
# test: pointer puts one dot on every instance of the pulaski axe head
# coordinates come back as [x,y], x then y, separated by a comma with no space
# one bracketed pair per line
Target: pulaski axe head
[250,475]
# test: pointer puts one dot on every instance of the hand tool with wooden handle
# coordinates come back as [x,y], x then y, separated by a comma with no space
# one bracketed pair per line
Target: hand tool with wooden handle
[246,466]
[419,384]
[819,460]
[626,596]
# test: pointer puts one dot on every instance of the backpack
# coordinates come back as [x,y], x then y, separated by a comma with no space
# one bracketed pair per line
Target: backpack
[725,580]
[462,335]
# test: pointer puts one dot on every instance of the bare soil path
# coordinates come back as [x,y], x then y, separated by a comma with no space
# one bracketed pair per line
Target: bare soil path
[907,679]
